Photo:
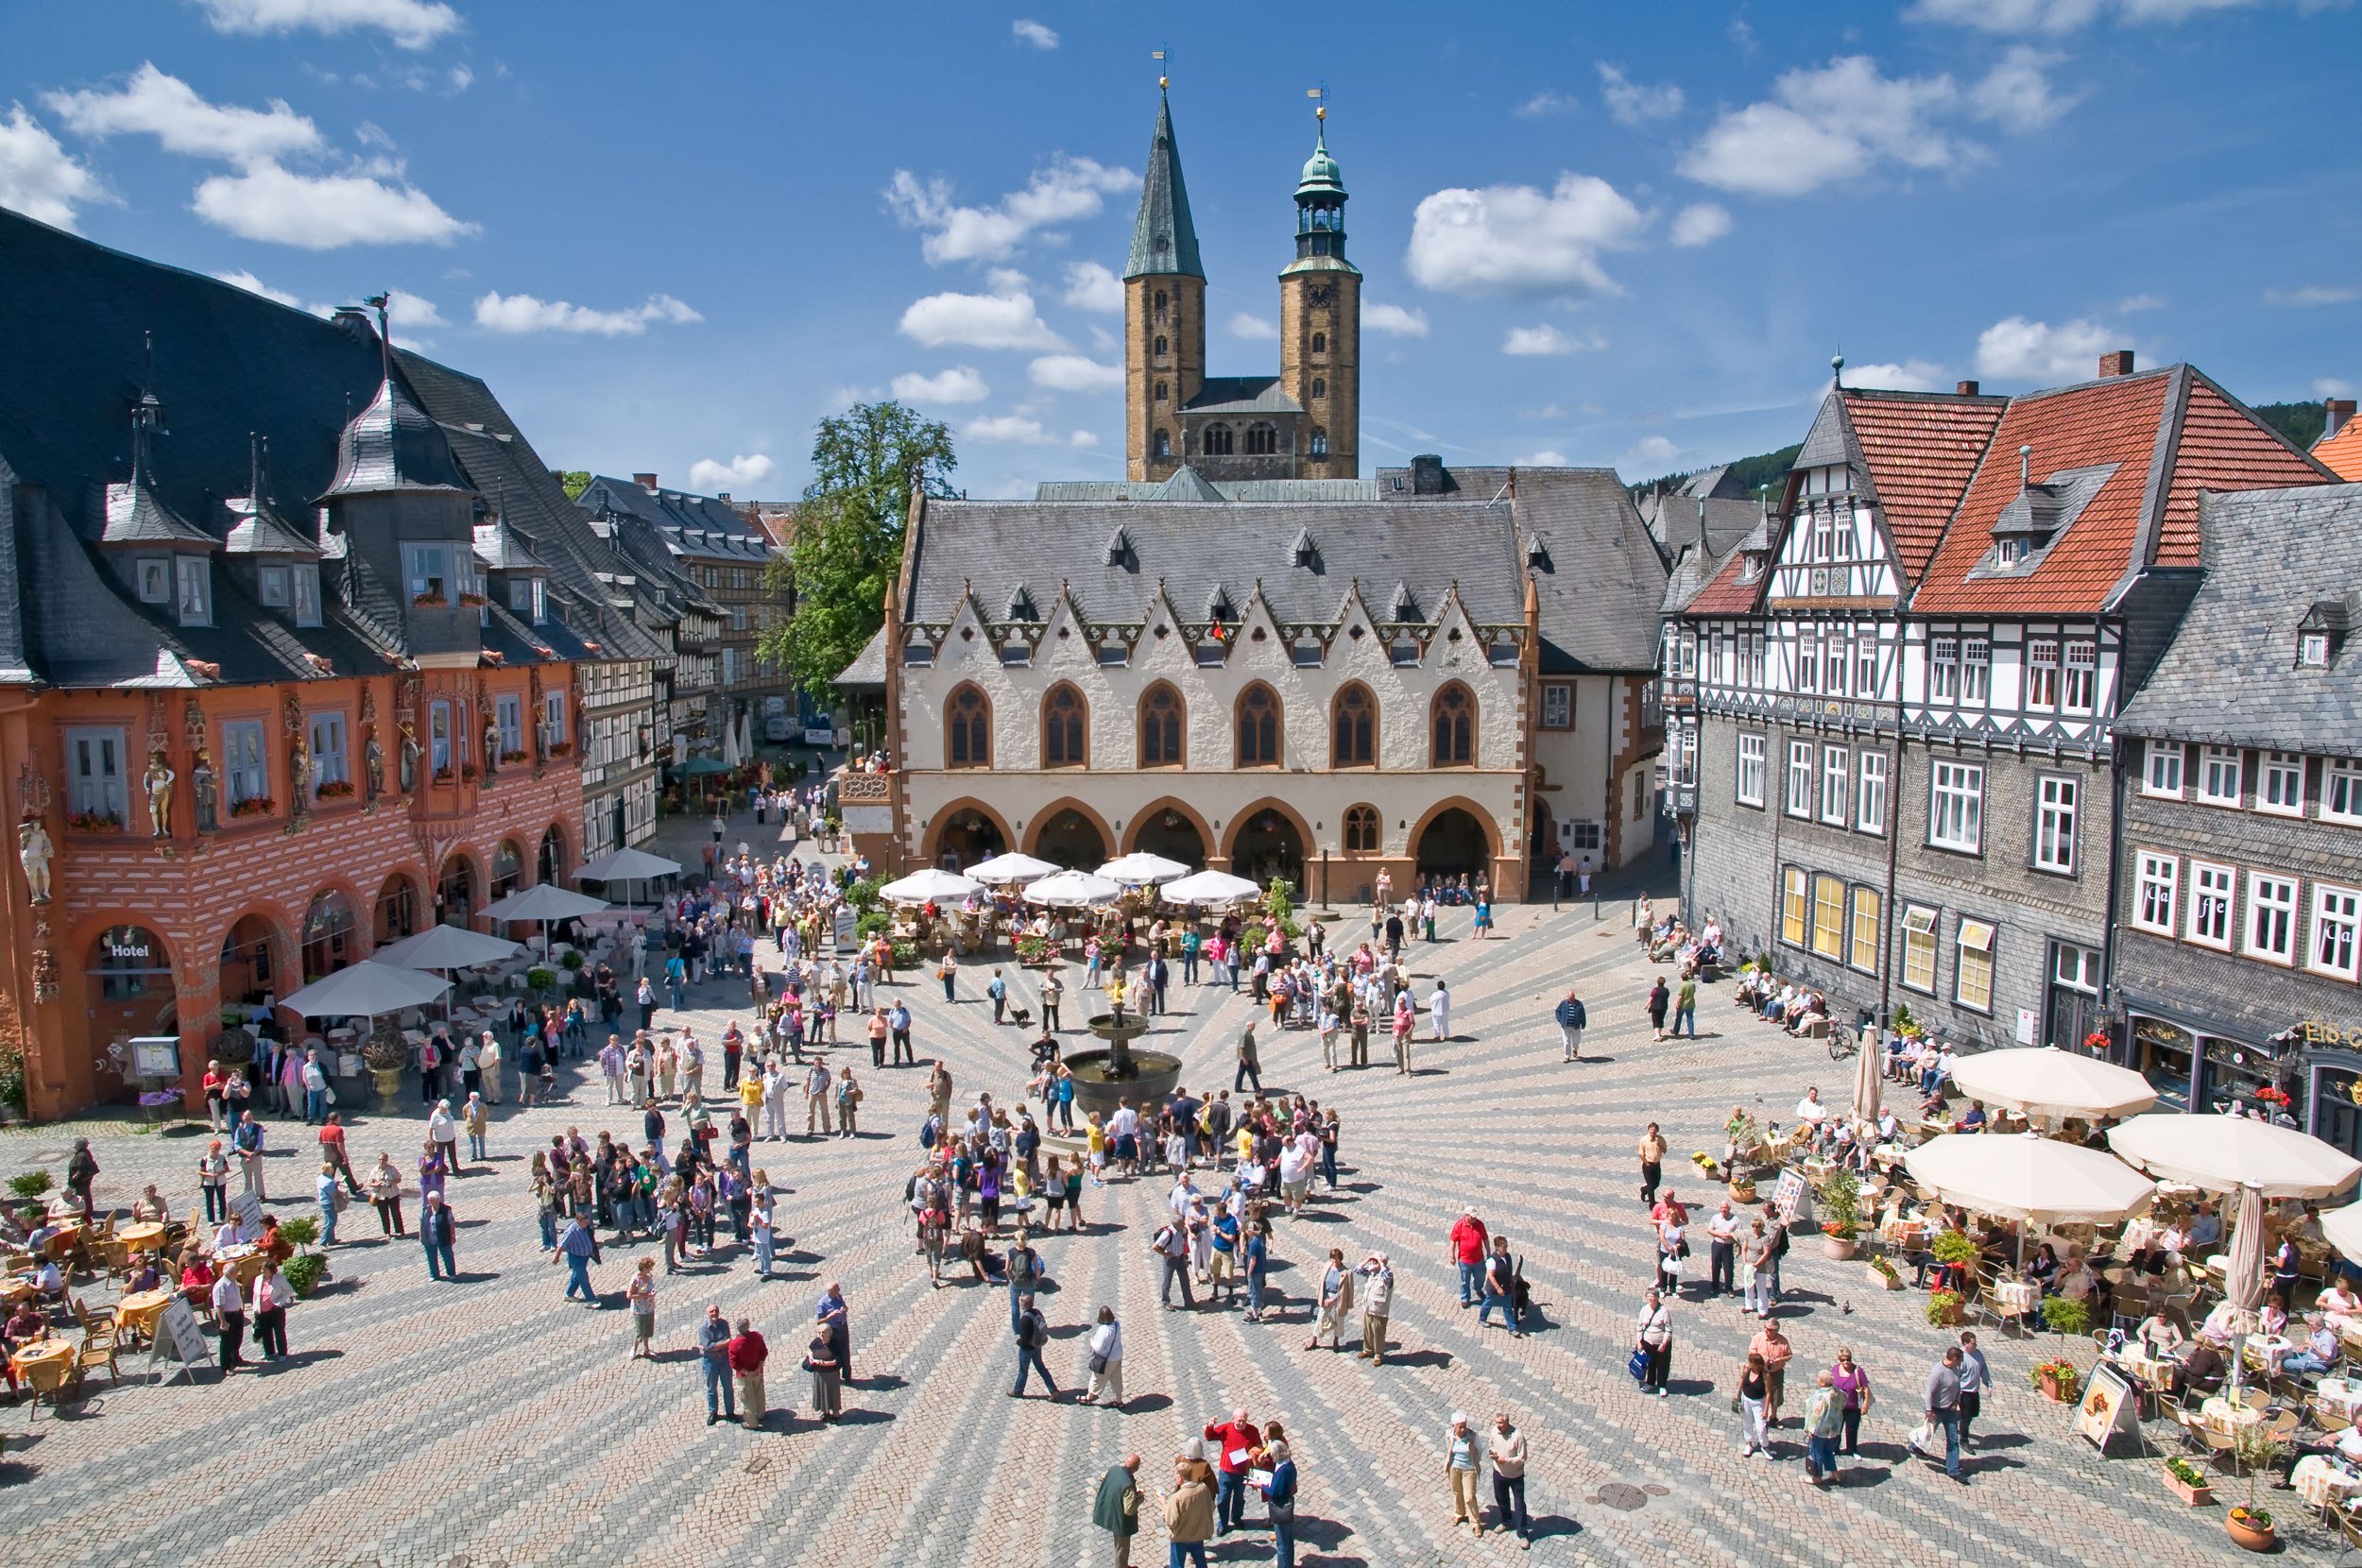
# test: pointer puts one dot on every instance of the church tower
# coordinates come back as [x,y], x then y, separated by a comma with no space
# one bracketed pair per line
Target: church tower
[1164,310]
[1320,324]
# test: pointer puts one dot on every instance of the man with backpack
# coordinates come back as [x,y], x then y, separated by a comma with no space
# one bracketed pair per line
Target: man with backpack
[1171,1244]
[1033,1333]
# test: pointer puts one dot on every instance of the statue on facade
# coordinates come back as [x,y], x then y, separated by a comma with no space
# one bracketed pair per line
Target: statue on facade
[300,776]
[203,786]
[491,745]
[34,852]
[373,767]
[157,783]
[409,758]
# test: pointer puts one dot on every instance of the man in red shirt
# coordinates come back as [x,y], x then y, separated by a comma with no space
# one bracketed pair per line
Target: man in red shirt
[333,1150]
[746,1353]
[1235,1442]
[1670,1208]
[1468,1246]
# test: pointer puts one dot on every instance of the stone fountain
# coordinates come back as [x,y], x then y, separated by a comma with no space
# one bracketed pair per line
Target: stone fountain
[1101,1078]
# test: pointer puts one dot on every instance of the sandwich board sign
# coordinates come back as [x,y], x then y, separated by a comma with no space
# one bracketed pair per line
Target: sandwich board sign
[179,1338]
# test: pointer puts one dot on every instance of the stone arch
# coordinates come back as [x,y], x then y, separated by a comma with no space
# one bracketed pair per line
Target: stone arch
[260,929]
[461,861]
[1485,824]
[1257,851]
[550,863]
[358,936]
[1039,822]
[930,842]
[1149,817]
[506,872]
[387,907]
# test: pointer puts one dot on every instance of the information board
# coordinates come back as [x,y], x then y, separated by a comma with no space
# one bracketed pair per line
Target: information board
[1791,1200]
[248,1209]
[178,1336]
[2109,1407]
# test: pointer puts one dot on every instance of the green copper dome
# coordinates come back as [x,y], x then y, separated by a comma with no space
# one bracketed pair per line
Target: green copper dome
[1320,170]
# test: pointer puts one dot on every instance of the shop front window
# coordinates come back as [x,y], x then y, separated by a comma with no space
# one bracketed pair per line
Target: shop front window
[2160,1053]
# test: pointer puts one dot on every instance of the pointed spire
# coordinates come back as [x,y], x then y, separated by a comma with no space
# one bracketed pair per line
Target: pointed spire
[1164,241]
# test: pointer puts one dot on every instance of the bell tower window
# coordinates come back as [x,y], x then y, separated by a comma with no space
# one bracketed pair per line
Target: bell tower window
[1163,391]
[1160,304]
[1320,343]
[1164,444]
[1218,441]
[1320,386]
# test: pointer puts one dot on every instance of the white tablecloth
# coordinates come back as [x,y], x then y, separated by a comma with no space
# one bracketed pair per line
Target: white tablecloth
[2322,1482]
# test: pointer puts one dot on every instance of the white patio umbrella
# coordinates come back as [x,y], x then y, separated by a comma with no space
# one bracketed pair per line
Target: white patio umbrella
[2343,1229]
[628,866]
[1003,869]
[2228,1154]
[1139,868]
[1208,887]
[2243,1270]
[2049,1082]
[731,755]
[366,990]
[1070,889]
[2027,1176]
[930,886]
[447,948]
[544,902]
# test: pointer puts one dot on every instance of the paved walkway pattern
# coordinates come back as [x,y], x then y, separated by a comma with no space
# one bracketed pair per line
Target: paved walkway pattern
[489,1423]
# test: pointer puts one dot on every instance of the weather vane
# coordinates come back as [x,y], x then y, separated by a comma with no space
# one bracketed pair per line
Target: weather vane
[1164,58]
[1319,99]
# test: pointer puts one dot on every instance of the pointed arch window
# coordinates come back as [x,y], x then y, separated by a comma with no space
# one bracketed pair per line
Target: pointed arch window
[1218,440]
[1163,720]
[1258,727]
[1160,346]
[1354,728]
[1454,727]
[968,723]
[1361,830]
[1063,729]
[1320,343]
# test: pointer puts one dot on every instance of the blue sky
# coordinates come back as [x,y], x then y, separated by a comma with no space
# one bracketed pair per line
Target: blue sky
[672,237]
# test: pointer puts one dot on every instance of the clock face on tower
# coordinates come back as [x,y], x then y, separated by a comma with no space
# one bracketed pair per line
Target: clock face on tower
[1321,294]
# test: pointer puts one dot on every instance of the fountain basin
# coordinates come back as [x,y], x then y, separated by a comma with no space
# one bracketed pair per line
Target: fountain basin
[1098,1086]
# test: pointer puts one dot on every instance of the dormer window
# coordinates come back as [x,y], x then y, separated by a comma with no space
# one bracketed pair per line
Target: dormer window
[2321,635]
[2313,651]
[529,597]
[427,570]
[194,597]
[272,583]
[154,573]
[1751,566]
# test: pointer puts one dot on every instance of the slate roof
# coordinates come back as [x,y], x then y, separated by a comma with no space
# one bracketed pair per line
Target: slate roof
[1676,519]
[1214,489]
[1163,240]
[2230,676]
[706,527]
[392,445]
[869,669]
[1241,395]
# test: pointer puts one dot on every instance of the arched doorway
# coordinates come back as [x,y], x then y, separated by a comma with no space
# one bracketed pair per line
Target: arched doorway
[967,836]
[1268,845]
[508,868]
[1169,832]
[455,892]
[550,865]
[250,970]
[129,973]
[327,931]
[1071,839]
[396,911]
[1454,843]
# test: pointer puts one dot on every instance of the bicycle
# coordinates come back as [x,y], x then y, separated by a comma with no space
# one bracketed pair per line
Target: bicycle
[1843,1042]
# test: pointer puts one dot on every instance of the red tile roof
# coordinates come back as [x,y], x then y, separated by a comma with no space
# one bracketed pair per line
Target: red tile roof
[2222,447]
[1920,451]
[2343,451]
[1727,594]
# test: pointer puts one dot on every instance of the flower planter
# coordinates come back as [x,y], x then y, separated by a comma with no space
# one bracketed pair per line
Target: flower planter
[2196,1495]
[1838,1247]
[388,1081]
[1742,1192]
[2247,1532]
[2058,1392]
[1885,1280]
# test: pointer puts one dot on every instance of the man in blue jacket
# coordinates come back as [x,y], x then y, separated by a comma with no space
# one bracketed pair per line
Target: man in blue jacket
[1570,1021]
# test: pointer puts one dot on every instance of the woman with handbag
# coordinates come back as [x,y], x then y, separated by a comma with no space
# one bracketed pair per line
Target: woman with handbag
[1278,1487]
[1107,1361]
[1755,1386]
[1654,1347]
[828,1384]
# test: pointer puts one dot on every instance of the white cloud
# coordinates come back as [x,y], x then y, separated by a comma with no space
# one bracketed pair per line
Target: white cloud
[1019,430]
[1650,452]
[148,102]
[1514,239]
[323,211]
[1912,375]
[1526,341]
[2313,294]
[2131,303]
[524,313]
[2330,386]
[412,311]
[1546,458]
[1547,104]
[2055,17]
[1701,223]
[1840,120]
[253,285]
[1075,373]
[1062,190]
[411,23]
[460,77]
[1005,320]
[1637,103]
[1394,319]
[958,384]
[739,476]
[405,314]
[37,177]
[1035,34]
[1254,329]
[1090,286]
[1083,438]
[2019,349]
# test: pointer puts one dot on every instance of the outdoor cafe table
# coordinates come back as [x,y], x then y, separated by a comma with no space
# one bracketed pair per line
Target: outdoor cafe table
[41,1350]
[137,1312]
[2322,1482]
[2017,1298]
[14,1290]
[2339,1393]
[2219,1414]
[141,1237]
[2260,1348]
[2154,1371]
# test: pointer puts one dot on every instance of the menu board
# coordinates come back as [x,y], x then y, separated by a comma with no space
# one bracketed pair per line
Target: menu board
[2108,1407]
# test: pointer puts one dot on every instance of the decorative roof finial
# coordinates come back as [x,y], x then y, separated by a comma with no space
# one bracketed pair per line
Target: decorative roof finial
[1837,367]
[1163,56]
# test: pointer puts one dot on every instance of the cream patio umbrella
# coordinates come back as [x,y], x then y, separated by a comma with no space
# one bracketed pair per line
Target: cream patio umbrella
[543,902]
[1070,889]
[1139,868]
[2343,1229]
[1000,870]
[2028,1177]
[445,948]
[1868,1082]
[2051,1083]
[366,990]
[930,886]
[2230,1154]
[2243,1270]
[1209,888]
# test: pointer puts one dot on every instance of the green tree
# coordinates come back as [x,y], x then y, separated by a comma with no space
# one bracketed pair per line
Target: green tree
[847,544]
[576,481]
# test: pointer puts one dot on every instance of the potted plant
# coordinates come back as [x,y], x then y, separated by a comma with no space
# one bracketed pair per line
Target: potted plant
[32,1185]
[2252,1448]
[1742,1188]
[388,1053]
[2066,1317]
[1954,1249]
[2060,1380]
[2187,1481]
[1884,1275]
[304,1270]
[1943,1309]
[1840,1198]
[234,1046]
[541,977]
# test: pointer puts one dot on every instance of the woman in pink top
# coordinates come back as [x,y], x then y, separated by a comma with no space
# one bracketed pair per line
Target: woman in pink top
[1853,1386]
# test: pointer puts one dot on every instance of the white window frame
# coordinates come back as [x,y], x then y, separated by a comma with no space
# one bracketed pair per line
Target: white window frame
[2156,890]
[1978,937]
[2042,674]
[1975,672]
[1808,661]
[325,733]
[2341,791]
[2280,784]
[1863,939]
[2163,763]
[152,575]
[1558,705]
[305,578]
[2312,650]
[509,715]
[2337,931]
[245,760]
[2079,688]
[192,590]
[439,756]
[2219,776]
[2058,803]
[2212,900]
[2270,932]
[1866,662]
[554,715]
[426,567]
[1799,781]
[1748,782]
[1870,813]
[1944,669]
[1919,943]
[1837,662]
[1830,900]
[272,588]
[1836,784]
[97,771]
[1956,807]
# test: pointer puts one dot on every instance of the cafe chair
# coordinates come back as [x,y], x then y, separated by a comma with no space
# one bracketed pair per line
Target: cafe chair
[47,1378]
[96,1349]
[2348,1531]
[2221,1450]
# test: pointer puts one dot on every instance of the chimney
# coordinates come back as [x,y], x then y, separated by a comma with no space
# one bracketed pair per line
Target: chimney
[2025,466]
[2337,413]
[2115,363]
[723,498]
[1427,475]
[1702,524]
[645,481]
[1966,388]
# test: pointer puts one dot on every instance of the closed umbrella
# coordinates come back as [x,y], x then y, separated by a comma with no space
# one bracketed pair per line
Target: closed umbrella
[366,990]
[2027,1176]
[931,886]
[2223,1154]
[2243,1270]
[2048,1083]
[1209,888]
[731,755]
[1002,869]
[1139,868]
[1868,1083]
[1068,889]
